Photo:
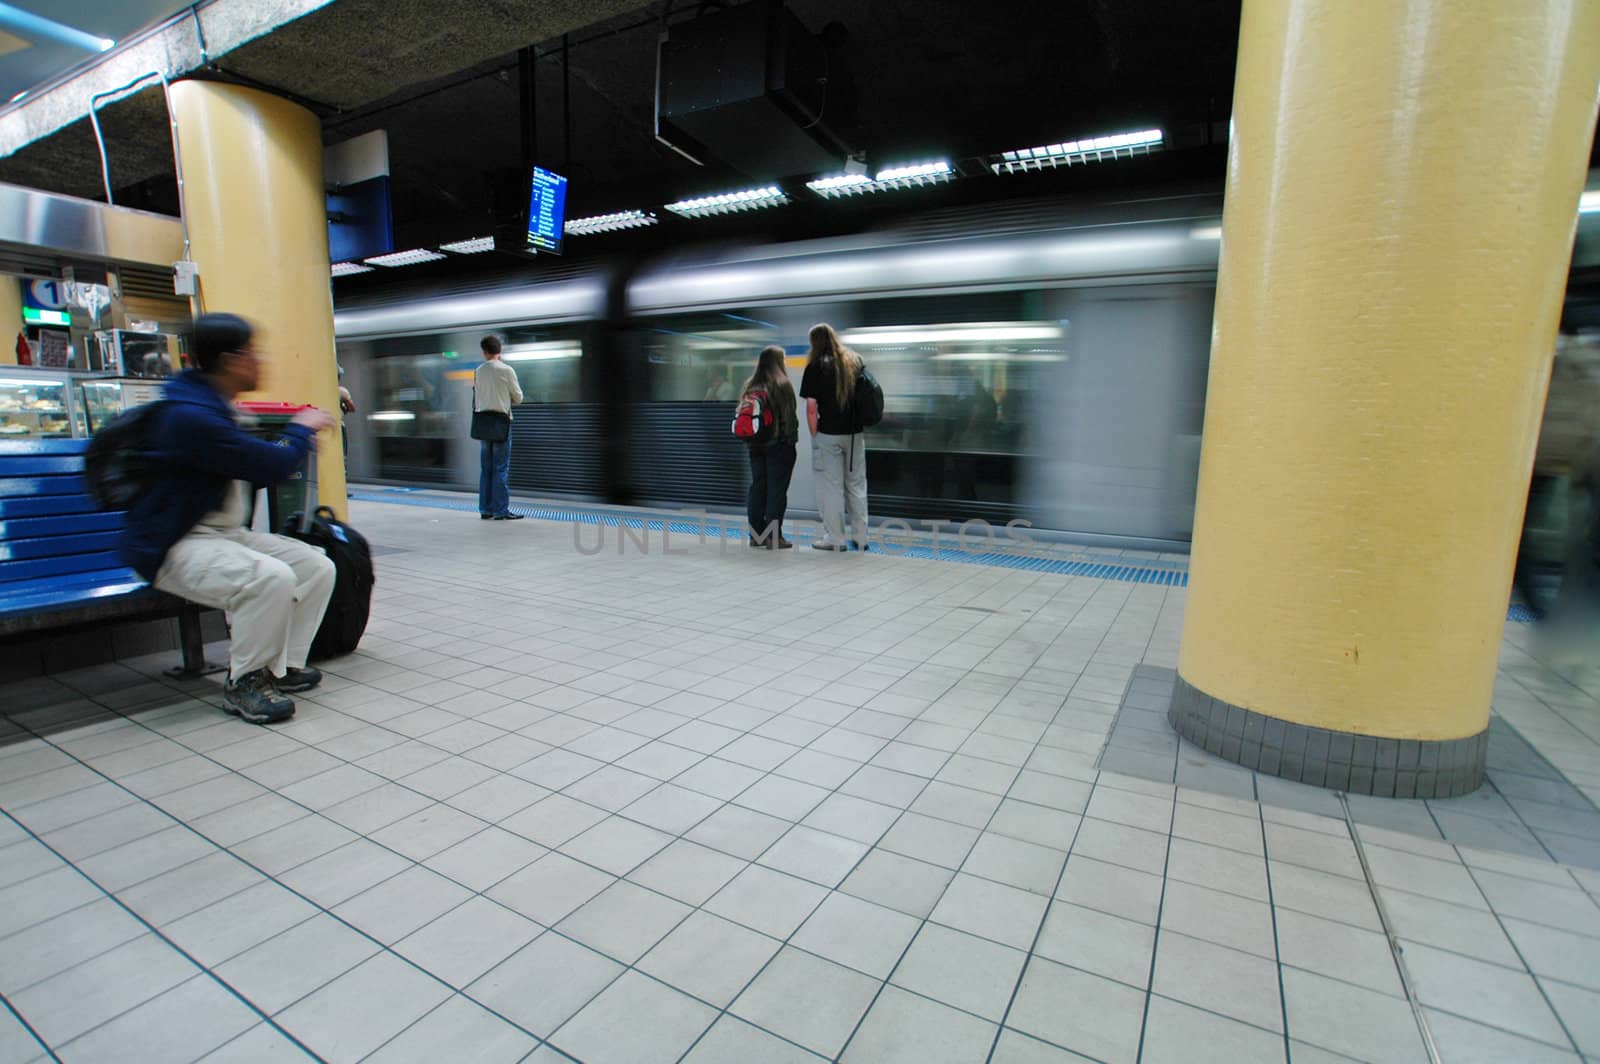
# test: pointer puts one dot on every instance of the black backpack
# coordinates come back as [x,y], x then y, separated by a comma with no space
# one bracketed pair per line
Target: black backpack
[118,462]
[866,405]
[345,619]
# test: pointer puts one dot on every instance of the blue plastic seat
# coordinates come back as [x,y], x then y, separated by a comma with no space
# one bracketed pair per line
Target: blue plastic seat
[58,561]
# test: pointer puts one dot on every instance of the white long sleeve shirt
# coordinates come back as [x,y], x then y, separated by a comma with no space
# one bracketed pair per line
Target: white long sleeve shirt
[495,386]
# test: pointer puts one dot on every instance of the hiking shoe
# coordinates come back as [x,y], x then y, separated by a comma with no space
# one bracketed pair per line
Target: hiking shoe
[294,680]
[253,697]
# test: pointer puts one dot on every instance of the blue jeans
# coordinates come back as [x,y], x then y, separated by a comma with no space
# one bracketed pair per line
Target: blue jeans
[494,493]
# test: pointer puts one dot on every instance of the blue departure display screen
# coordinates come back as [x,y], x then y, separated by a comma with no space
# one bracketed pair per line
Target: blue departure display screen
[547,210]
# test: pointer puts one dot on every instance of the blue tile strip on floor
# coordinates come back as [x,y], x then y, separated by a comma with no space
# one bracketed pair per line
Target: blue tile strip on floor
[1166,575]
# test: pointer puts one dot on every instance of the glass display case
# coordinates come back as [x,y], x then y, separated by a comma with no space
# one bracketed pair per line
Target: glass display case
[35,404]
[101,399]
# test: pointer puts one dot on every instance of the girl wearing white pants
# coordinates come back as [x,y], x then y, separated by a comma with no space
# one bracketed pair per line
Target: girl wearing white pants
[838,448]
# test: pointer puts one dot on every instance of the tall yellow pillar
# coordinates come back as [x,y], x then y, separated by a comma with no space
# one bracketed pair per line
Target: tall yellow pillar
[10,317]
[257,214]
[1403,183]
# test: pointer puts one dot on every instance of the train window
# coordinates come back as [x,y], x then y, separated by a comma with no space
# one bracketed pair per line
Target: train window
[549,363]
[702,358]
[959,386]
[411,421]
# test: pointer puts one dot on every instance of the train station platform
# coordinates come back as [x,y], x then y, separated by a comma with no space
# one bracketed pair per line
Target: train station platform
[606,793]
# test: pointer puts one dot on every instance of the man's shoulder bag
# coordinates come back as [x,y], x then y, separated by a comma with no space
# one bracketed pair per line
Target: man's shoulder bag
[491,426]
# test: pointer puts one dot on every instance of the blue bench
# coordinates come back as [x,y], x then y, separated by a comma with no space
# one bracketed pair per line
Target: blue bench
[58,561]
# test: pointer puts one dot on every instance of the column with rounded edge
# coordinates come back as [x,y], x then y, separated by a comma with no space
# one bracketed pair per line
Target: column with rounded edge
[1403,185]
[258,226]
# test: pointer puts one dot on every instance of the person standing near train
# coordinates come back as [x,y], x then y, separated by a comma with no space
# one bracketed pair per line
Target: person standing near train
[494,392]
[772,461]
[838,448]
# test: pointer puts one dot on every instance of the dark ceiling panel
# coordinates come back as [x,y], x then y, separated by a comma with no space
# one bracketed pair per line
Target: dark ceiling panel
[354,52]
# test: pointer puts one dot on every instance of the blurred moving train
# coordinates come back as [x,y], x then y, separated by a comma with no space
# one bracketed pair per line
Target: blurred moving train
[1042,361]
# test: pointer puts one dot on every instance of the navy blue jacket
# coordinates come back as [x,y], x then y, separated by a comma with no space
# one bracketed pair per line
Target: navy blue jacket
[199,449]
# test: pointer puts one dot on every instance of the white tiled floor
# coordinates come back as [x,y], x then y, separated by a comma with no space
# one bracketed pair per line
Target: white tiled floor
[580,807]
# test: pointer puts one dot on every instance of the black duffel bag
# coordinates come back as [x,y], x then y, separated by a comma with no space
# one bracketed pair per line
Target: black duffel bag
[351,602]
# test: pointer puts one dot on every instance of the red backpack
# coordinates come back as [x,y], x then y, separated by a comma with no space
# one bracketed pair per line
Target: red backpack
[755,422]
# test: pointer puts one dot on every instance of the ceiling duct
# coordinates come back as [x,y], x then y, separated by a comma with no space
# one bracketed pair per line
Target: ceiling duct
[752,87]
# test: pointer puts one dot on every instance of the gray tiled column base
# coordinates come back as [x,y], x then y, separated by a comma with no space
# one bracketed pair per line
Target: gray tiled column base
[1344,761]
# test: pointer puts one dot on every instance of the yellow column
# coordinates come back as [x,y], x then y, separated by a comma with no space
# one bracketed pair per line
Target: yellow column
[1403,183]
[257,214]
[10,317]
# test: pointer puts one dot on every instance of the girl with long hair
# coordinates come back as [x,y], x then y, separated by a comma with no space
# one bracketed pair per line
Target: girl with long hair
[772,465]
[838,448]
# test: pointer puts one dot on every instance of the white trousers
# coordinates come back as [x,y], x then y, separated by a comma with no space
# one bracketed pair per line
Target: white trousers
[840,471]
[274,588]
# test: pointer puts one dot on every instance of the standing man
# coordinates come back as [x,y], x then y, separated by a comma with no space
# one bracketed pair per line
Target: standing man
[185,533]
[494,392]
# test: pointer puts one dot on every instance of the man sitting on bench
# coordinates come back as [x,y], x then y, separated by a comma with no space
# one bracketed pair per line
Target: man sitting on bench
[186,533]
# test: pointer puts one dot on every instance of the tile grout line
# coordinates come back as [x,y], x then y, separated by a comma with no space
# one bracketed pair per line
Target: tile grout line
[948,754]
[1027,959]
[1396,953]
[681,836]
[1535,834]
[1038,932]
[26,1026]
[1277,946]
[322,909]
[158,933]
[1537,981]
[1155,945]
[785,943]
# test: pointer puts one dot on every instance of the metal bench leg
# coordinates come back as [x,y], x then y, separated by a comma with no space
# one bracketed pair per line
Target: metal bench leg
[192,645]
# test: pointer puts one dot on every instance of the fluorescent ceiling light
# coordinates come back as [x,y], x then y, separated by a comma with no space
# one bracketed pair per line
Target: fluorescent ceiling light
[17,382]
[894,177]
[956,333]
[37,28]
[469,247]
[1589,202]
[1089,149]
[392,415]
[609,223]
[404,258]
[749,199]
[345,269]
[997,356]
[540,352]
[1207,232]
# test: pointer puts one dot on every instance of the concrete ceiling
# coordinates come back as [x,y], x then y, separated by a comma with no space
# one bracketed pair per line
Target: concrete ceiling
[339,57]
[935,78]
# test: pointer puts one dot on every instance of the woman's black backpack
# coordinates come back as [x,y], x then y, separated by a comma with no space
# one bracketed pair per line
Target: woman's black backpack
[866,405]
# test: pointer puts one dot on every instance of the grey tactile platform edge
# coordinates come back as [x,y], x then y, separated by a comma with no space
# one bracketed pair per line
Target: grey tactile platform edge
[1356,764]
